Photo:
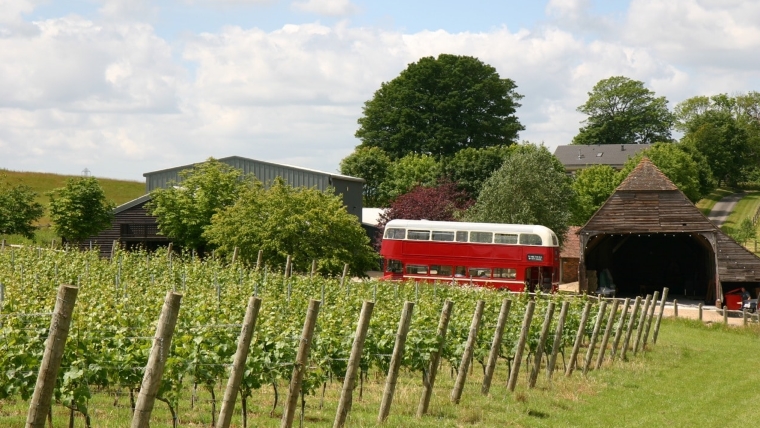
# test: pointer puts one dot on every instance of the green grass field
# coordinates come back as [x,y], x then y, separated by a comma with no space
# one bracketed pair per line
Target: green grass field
[119,191]
[706,204]
[696,375]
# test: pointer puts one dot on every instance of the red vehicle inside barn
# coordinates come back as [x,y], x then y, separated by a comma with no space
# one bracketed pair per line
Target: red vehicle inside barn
[504,256]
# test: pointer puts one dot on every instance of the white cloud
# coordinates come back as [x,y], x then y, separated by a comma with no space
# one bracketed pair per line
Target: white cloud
[326,7]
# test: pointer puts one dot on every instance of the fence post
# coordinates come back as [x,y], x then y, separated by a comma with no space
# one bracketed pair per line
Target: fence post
[512,382]
[313,268]
[594,335]
[346,395]
[435,358]
[640,326]
[234,255]
[2,295]
[156,361]
[675,308]
[398,355]
[299,368]
[700,310]
[620,327]
[343,277]
[629,330]
[2,246]
[607,332]
[493,355]
[659,315]
[258,259]
[744,316]
[287,267]
[541,341]
[238,365]
[557,339]
[39,407]
[725,314]
[456,393]
[649,320]
[578,340]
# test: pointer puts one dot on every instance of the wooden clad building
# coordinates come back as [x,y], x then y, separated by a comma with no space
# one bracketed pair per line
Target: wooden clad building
[650,236]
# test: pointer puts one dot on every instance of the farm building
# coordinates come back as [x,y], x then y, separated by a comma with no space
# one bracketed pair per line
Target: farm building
[132,226]
[569,256]
[649,236]
[577,157]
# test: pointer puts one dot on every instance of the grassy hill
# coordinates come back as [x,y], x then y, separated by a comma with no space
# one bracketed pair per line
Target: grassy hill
[119,191]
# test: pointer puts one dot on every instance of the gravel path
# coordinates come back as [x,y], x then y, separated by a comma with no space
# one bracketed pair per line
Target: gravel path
[723,208]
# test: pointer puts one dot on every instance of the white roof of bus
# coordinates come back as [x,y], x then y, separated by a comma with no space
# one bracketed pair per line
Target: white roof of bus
[457,225]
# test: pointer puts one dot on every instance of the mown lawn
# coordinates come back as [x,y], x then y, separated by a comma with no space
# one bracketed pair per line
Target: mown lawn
[706,204]
[696,375]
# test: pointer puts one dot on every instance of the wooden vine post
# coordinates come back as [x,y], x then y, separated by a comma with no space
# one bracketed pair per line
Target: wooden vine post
[299,368]
[258,259]
[493,355]
[649,318]
[238,364]
[456,393]
[159,352]
[578,340]
[512,382]
[642,321]
[557,339]
[607,332]
[39,407]
[346,395]
[629,330]
[398,355]
[659,315]
[541,341]
[619,330]
[435,358]
[594,336]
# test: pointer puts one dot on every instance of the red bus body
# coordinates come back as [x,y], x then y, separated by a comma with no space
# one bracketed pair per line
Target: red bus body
[515,257]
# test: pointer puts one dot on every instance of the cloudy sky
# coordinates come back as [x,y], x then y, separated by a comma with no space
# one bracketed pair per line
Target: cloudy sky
[122,87]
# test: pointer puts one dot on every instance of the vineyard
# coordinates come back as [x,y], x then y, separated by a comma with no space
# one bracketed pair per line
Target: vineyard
[118,303]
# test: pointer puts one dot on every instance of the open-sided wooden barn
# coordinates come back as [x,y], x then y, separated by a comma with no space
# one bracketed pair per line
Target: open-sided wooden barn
[650,236]
[133,226]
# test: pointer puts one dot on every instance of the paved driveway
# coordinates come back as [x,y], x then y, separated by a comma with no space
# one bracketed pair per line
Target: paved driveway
[723,208]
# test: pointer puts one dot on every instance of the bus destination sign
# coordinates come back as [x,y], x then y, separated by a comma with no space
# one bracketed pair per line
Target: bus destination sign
[535,257]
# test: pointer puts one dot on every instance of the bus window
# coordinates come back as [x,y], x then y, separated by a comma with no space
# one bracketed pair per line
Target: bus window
[440,270]
[442,236]
[505,238]
[505,273]
[418,235]
[483,237]
[530,239]
[417,269]
[480,272]
[394,266]
[395,233]
[554,240]
[462,236]
[460,271]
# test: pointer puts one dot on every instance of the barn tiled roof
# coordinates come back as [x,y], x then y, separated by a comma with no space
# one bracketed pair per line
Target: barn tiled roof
[646,177]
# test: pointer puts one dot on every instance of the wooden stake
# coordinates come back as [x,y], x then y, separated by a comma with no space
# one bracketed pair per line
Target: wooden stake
[349,382]
[594,335]
[649,321]
[493,355]
[620,327]
[558,333]
[258,259]
[512,382]
[700,310]
[42,398]
[159,352]
[398,355]
[607,332]
[541,341]
[578,339]
[640,327]
[313,268]
[435,358]
[238,364]
[469,348]
[659,315]
[234,255]
[343,277]
[629,330]
[300,366]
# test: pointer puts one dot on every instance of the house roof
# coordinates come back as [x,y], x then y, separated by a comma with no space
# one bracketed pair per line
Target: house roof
[133,203]
[575,157]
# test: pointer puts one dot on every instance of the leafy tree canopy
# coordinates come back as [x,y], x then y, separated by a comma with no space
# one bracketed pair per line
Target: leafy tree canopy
[674,162]
[622,111]
[471,167]
[406,173]
[530,188]
[80,209]
[444,202]
[18,209]
[184,209]
[371,164]
[592,186]
[305,223]
[439,106]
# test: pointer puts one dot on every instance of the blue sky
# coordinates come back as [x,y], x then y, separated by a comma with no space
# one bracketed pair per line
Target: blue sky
[123,87]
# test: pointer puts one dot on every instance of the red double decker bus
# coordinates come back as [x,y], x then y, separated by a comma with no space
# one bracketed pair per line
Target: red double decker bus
[512,256]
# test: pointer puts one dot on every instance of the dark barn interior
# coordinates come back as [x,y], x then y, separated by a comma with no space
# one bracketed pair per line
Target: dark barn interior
[643,263]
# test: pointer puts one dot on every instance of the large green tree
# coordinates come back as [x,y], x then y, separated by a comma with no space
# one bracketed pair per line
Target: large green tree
[406,173]
[622,111]
[80,209]
[592,186]
[18,209]
[530,188]
[371,164]
[469,168]
[439,106]
[184,209]
[674,162]
[305,223]
[726,130]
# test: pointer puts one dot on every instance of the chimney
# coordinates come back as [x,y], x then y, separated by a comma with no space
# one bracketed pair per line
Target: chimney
[622,147]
